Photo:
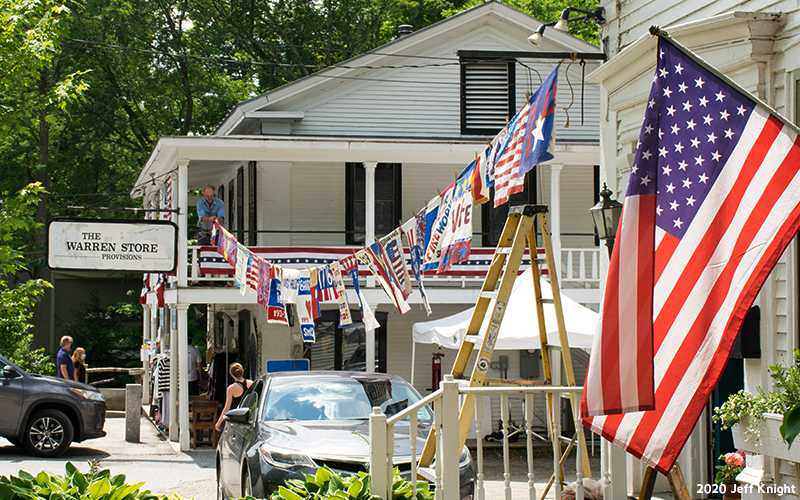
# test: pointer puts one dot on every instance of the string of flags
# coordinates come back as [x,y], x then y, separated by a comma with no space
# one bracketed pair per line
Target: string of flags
[439,235]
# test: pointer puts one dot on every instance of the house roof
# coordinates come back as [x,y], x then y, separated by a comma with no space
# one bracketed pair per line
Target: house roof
[359,69]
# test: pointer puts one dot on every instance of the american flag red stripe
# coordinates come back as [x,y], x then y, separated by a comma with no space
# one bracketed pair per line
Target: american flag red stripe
[506,169]
[716,245]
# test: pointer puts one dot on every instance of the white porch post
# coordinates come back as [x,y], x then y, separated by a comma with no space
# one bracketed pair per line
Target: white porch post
[370,341]
[183,362]
[147,335]
[369,210]
[174,369]
[182,192]
[555,215]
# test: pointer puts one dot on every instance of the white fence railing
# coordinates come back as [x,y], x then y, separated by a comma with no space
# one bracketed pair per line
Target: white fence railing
[580,267]
[444,474]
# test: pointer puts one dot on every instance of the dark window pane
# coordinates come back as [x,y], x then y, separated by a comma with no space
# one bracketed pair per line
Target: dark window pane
[384,182]
[384,218]
[324,351]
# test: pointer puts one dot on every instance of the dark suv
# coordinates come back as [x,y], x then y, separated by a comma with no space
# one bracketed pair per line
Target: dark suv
[46,414]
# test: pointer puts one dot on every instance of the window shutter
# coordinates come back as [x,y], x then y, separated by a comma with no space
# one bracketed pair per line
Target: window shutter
[487,96]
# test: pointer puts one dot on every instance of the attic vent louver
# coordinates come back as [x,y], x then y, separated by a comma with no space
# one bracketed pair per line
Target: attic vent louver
[487,96]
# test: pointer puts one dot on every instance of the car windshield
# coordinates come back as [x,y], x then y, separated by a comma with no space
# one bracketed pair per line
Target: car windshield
[337,398]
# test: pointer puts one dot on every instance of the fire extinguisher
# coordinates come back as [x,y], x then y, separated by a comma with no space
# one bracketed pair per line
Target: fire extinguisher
[436,370]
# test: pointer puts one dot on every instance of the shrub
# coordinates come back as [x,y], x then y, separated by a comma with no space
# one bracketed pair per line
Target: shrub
[327,484]
[97,484]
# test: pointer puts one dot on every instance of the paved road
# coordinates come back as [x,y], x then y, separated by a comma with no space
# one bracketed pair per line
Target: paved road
[191,474]
[153,460]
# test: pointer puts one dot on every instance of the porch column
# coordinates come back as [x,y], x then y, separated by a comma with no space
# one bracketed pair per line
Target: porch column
[555,216]
[369,209]
[182,220]
[183,362]
[370,341]
[147,336]
[174,370]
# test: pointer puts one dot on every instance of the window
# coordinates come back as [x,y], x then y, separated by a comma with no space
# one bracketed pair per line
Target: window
[487,95]
[252,217]
[387,200]
[494,219]
[345,348]
[240,204]
[221,192]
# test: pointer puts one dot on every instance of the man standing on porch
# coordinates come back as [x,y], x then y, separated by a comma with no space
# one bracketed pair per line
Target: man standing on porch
[209,210]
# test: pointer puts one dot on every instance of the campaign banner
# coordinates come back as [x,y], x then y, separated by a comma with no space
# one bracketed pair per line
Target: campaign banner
[345,318]
[276,312]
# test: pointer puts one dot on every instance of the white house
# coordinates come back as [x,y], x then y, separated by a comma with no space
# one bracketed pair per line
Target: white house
[298,167]
[755,44]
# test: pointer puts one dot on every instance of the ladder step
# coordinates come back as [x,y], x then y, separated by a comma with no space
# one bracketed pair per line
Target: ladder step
[475,339]
[489,295]
[547,301]
[503,250]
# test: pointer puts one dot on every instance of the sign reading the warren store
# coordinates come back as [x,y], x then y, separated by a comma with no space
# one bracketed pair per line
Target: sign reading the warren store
[112,245]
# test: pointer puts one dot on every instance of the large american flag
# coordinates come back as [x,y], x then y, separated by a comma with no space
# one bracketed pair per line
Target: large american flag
[713,200]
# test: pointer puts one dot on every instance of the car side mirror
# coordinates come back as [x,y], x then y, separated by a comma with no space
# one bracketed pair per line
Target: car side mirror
[9,372]
[239,415]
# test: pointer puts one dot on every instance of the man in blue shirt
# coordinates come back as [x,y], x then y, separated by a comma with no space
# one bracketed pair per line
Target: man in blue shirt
[209,210]
[64,365]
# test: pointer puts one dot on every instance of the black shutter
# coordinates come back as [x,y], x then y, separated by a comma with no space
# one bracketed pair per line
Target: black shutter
[487,96]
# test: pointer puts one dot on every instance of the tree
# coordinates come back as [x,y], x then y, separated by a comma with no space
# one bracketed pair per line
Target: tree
[17,300]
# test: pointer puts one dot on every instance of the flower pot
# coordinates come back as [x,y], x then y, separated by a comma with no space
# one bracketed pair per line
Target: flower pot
[729,493]
[771,443]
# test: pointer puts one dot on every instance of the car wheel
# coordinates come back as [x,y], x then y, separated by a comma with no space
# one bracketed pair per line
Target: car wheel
[48,433]
[247,488]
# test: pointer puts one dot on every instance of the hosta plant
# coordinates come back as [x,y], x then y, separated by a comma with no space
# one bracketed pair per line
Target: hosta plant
[328,485]
[96,485]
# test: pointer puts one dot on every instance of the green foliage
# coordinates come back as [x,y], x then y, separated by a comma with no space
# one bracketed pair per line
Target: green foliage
[754,406]
[550,11]
[111,334]
[326,484]
[17,300]
[96,485]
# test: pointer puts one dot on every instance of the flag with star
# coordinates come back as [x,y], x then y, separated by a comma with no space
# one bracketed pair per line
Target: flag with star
[712,202]
[539,141]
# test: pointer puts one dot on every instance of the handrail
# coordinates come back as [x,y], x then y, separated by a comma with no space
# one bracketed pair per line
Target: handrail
[445,473]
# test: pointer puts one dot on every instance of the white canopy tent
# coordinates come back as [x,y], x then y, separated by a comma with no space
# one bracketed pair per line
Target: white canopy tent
[519,329]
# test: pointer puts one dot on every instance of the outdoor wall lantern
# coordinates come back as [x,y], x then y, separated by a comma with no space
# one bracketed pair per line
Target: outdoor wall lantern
[597,15]
[606,216]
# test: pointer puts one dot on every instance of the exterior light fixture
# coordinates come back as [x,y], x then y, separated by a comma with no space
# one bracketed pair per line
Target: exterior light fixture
[606,216]
[597,15]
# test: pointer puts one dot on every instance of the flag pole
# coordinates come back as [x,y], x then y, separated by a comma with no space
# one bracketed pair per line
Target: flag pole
[656,31]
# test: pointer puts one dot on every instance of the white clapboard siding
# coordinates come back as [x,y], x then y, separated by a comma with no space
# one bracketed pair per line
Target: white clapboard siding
[577,197]
[317,204]
[426,102]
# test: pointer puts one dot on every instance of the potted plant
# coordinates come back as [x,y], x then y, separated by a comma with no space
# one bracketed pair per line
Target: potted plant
[755,419]
[734,463]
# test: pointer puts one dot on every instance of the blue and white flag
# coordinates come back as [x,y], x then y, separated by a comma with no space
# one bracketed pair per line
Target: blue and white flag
[539,141]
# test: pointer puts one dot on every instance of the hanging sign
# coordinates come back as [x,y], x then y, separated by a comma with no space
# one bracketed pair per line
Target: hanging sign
[131,246]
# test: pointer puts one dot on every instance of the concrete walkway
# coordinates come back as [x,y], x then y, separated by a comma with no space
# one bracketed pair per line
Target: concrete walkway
[152,461]
[167,471]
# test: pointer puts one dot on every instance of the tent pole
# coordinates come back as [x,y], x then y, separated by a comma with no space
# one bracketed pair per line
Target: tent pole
[413,359]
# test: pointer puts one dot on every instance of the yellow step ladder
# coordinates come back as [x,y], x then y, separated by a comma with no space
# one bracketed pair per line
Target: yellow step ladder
[518,233]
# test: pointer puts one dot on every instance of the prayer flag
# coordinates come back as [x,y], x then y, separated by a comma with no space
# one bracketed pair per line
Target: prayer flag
[457,238]
[539,140]
[276,311]
[345,319]
[713,200]
[350,266]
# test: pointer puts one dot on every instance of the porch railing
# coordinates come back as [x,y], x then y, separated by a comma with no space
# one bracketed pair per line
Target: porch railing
[579,266]
[444,474]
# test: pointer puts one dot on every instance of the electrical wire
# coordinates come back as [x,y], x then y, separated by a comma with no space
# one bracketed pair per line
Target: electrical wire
[261,42]
[254,63]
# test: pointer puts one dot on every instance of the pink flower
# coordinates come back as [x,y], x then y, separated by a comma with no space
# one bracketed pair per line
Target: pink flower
[735,459]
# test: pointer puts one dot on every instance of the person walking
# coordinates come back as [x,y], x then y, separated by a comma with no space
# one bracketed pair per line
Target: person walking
[209,210]
[235,392]
[64,367]
[79,362]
